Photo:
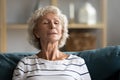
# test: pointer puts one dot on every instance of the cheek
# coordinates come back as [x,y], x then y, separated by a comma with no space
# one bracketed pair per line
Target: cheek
[61,31]
[39,32]
[42,33]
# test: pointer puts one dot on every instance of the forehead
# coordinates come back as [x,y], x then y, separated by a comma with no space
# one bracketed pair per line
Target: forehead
[49,16]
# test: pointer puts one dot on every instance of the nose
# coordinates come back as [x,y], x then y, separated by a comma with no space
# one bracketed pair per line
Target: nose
[52,25]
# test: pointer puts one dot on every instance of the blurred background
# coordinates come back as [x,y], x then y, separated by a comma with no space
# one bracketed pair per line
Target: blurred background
[83,36]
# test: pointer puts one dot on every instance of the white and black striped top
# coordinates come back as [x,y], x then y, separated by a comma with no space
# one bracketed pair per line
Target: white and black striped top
[34,68]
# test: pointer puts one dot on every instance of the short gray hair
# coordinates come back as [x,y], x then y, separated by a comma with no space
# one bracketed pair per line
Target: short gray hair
[33,21]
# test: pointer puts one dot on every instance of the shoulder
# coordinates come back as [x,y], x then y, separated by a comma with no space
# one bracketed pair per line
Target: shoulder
[76,59]
[28,59]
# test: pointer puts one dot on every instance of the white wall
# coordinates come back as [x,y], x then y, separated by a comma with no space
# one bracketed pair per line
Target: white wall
[113,22]
[18,11]
[17,41]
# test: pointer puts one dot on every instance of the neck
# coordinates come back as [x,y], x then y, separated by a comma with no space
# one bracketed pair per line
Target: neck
[50,51]
[51,55]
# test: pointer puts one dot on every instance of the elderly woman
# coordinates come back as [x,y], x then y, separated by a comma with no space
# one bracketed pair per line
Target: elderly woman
[48,32]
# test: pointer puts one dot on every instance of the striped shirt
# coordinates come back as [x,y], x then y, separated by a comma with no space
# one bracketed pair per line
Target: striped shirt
[34,68]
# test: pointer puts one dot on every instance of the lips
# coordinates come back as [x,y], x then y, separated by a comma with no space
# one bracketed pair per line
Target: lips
[52,32]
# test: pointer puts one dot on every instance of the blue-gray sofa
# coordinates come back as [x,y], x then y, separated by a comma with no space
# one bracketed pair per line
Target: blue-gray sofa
[103,63]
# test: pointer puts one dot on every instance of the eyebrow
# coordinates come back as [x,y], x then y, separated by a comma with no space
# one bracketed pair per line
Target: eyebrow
[56,19]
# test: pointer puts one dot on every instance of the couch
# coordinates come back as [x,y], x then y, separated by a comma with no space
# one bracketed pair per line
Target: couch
[102,63]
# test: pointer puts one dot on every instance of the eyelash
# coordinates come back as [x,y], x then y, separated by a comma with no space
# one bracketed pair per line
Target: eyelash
[48,22]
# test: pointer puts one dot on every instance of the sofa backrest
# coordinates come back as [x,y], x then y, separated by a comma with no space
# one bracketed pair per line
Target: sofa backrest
[102,63]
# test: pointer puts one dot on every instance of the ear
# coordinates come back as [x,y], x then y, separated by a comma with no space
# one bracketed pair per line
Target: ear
[62,31]
[35,32]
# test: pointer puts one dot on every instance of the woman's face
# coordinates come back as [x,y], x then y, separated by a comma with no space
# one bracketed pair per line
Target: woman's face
[49,28]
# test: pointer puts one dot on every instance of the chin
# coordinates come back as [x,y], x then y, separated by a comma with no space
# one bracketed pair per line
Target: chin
[54,39]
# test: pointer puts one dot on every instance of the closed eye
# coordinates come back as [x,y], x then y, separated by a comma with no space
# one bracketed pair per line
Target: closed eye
[45,22]
[56,22]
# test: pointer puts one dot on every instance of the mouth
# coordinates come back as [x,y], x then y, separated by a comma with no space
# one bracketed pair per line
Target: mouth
[52,33]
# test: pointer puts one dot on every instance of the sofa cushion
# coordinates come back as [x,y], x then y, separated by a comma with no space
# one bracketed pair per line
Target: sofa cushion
[103,63]
[8,62]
